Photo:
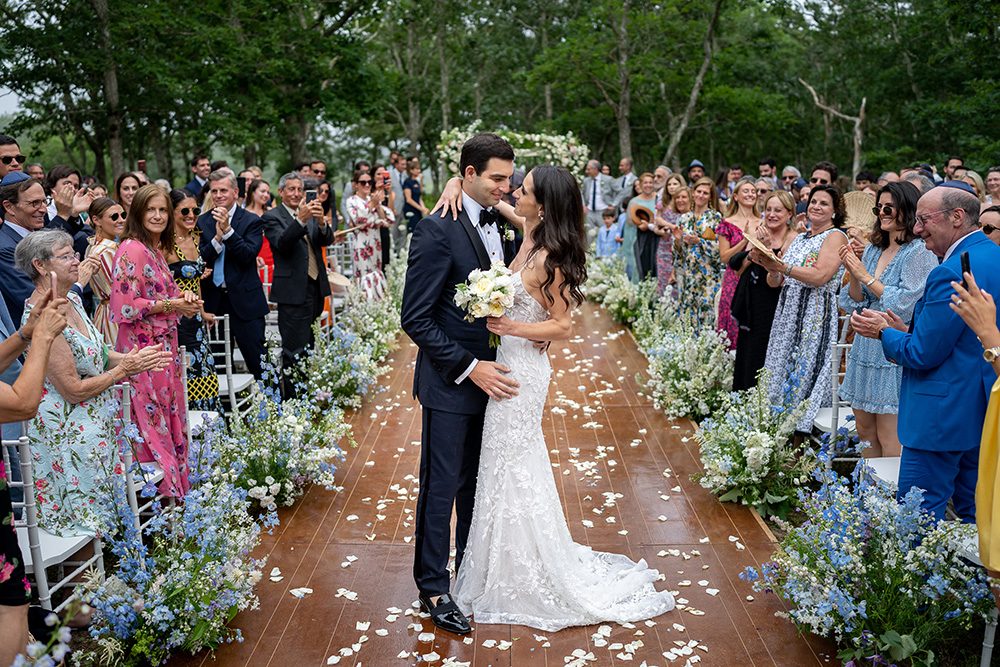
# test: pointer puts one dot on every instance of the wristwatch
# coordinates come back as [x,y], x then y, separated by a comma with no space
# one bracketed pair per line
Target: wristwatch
[990,354]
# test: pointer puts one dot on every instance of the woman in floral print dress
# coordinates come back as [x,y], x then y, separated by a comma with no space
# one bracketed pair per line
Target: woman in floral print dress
[365,210]
[147,304]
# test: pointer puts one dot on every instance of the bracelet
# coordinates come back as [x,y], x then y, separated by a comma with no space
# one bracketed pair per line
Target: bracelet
[167,306]
[23,338]
[788,270]
[112,376]
[870,282]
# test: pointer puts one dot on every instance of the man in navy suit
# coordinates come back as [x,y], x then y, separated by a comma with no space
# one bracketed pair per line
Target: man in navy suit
[946,381]
[297,233]
[231,238]
[455,373]
[201,168]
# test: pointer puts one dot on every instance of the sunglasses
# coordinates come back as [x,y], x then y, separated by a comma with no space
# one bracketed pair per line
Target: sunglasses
[115,216]
[366,182]
[989,229]
[820,181]
[185,211]
[884,209]
[7,159]
[321,172]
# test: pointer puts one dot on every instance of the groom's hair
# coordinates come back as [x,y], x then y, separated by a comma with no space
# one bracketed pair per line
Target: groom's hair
[480,149]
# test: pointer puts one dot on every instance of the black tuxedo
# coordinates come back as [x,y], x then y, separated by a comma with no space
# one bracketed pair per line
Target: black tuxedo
[243,296]
[299,298]
[443,251]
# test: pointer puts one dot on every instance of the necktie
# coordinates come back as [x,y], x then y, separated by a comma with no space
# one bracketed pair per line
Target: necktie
[624,178]
[218,269]
[593,197]
[488,217]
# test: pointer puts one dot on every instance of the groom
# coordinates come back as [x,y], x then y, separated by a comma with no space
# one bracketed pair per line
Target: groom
[455,373]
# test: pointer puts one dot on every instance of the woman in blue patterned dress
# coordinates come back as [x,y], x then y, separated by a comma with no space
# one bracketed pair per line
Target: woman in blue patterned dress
[890,276]
[696,255]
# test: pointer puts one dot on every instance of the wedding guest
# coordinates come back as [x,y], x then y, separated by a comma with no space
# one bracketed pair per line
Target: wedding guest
[258,199]
[976,181]
[629,235]
[598,192]
[667,228]
[788,176]
[993,186]
[978,310]
[805,321]
[188,270]
[413,208]
[989,218]
[382,181]
[201,167]
[73,432]
[325,197]
[742,218]
[364,165]
[147,304]
[754,300]
[35,170]
[722,185]
[23,201]
[19,402]
[11,157]
[126,186]
[107,217]
[609,240]
[366,210]
[889,276]
[764,187]
[946,381]
[696,258]
[642,211]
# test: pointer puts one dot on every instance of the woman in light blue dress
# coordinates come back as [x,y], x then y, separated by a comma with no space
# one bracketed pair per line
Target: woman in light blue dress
[890,276]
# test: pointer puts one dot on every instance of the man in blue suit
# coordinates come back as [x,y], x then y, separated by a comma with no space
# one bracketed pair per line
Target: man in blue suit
[231,238]
[201,168]
[946,381]
[455,373]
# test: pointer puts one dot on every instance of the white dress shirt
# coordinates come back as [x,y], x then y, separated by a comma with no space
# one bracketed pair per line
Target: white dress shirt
[954,245]
[490,236]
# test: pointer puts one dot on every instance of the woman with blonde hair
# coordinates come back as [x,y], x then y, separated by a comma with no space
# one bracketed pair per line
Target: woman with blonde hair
[742,218]
[976,181]
[666,226]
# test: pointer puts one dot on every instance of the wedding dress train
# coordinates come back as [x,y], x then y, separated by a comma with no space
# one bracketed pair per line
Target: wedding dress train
[521,565]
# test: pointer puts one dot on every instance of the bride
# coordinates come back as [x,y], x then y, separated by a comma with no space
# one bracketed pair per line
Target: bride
[521,565]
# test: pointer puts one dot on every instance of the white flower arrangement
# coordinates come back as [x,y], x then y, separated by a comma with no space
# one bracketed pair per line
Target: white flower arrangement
[747,453]
[561,150]
[486,294]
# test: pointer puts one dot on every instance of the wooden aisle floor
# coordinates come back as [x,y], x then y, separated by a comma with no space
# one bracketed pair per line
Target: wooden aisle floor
[604,438]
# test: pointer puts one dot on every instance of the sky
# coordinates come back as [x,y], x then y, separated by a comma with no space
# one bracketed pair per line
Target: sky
[9,102]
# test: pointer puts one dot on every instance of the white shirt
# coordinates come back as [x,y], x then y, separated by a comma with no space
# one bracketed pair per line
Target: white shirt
[218,246]
[595,185]
[490,236]
[954,245]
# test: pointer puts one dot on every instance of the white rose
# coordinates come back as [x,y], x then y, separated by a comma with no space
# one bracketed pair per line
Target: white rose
[482,287]
[480,310]
[504,280]
[496,309]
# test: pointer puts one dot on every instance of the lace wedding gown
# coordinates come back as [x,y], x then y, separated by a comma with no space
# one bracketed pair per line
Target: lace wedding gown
[521,566]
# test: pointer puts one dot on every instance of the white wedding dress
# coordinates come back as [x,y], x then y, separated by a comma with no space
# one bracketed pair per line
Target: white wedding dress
[521,566]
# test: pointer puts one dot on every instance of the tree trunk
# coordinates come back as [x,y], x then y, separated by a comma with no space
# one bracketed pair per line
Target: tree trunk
[443,64]
[249,155]
[299,128]
[624,107]
[110,87]
[159,153]
[699,81]
[544,20]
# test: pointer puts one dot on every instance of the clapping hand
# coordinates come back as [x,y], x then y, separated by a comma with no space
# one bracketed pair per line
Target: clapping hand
[801,223]
[222,225]
[850,260]
[47,318]
[869,323]
[151,358]
[188,305]
[87,268]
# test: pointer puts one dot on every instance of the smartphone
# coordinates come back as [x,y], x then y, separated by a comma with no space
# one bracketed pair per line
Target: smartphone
[142,166]
[311,195]
[385,180]
[965,268]
[241,186]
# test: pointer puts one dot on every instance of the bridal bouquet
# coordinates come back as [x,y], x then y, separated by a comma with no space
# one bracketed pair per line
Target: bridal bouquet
[487,294]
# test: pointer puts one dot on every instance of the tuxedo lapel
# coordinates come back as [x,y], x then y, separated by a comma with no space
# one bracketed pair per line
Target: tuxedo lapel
[477,243]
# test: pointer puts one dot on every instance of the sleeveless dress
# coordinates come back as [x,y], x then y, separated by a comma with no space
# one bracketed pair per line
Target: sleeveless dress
[521,565]
[726,321]
[202,380]
[100,283]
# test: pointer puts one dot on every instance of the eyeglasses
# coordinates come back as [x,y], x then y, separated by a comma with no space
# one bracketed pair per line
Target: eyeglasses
[820,181]
[185,211]
[788,178]
[922,219]
[884,209]
[68,257]
[7,159]
[35,203]
[365,182]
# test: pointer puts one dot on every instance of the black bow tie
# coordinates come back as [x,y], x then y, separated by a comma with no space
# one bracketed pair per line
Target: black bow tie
[488,217]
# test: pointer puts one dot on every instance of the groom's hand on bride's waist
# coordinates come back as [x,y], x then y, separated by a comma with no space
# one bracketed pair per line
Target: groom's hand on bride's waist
[491,377]
[541,345]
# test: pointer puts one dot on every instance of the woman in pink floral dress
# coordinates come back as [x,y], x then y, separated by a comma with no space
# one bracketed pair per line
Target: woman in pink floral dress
[147,305]
[742,218]
[365,210]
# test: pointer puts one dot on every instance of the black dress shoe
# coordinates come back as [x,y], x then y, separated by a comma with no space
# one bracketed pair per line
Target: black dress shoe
[446,615]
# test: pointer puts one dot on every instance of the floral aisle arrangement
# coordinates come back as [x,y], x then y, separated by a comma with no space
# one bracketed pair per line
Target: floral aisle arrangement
[279,449]
[562,150]
[176,585]
[879,577]
[599,275]
[748,454]
[340,370]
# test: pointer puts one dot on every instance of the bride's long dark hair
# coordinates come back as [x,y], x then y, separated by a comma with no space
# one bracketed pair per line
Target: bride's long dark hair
[561,231]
